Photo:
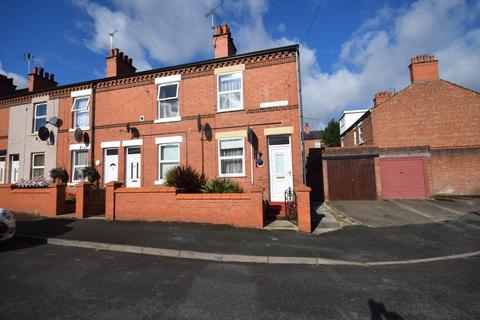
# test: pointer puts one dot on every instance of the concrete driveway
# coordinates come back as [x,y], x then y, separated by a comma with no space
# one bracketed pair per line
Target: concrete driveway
[385,213]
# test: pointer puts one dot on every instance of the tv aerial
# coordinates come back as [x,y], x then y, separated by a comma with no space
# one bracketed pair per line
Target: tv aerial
[111,38]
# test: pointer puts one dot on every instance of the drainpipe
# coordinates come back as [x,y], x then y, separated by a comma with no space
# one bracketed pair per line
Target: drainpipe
[302,144]
[92,127]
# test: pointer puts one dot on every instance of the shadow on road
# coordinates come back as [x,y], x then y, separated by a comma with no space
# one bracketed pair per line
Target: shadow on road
[42,228]
[379,312]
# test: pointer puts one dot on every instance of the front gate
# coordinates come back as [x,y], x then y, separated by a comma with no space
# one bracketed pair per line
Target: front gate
[291,205]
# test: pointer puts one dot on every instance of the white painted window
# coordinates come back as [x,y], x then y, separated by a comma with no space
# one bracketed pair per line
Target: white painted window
[168,158]
[231,157]
[80,161]
[168,106]
[230,93]
[80,108]
[38,165]
[2,169]
[360,133]
[341,142]
[354,136]
[39,116]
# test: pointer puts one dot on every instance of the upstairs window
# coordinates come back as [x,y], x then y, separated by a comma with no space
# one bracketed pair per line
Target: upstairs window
[80,110]
[231,157]
[38,165]
[360,133]
[168,107]
[230,95]
[39,116]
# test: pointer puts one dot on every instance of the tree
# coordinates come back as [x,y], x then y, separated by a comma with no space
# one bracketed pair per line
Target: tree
[331,134]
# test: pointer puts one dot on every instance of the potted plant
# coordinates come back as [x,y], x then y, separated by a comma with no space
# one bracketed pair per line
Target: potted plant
[91,174]
[59,175]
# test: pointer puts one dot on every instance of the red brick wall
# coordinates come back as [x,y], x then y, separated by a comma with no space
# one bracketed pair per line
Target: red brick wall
[43,201]
[4,117]
[435,113]
[456,171]
[162,204]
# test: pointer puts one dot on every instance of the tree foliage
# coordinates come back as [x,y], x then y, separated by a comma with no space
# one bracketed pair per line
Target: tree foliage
[331,134]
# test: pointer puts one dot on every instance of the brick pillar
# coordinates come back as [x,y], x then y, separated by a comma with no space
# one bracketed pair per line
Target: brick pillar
[257,205]
[378,178]
[326,195]
[60,189]
[81,199]
[110,199]
[303,208]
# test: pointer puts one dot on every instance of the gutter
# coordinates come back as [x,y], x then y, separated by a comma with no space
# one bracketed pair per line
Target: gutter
[300,105]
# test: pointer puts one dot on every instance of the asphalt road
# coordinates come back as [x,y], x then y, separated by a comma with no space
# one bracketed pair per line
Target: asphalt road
[52,282]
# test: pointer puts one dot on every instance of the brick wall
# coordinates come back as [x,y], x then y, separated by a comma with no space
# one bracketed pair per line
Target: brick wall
[456,171]
[348,137]
[163,204]
[435,113]
[43,201]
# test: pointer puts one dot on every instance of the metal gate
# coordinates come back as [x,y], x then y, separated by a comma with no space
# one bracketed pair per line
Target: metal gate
[351,179]
[291,205]
[403,178]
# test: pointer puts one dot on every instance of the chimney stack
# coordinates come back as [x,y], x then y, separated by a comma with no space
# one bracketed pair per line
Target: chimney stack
[381,97]
[306,128]
[223,42]
[6,86]
[119,64]
[423,67]
[38,80]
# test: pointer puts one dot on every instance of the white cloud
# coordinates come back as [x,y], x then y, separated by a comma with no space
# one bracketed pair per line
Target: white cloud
[18,80]
[375,58]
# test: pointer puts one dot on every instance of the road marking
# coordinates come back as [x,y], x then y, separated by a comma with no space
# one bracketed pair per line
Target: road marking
[228,258]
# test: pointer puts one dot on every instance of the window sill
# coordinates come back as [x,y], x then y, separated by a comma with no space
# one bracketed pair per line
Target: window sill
[83,129]
[158,182]
[72,184]
[163,120]
[232,176]
[230,110]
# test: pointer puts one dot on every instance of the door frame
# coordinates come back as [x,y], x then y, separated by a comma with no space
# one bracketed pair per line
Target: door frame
[105,163]
[126,166]
[289,168]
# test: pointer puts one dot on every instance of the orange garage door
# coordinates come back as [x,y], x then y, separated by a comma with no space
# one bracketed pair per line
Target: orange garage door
[403,178]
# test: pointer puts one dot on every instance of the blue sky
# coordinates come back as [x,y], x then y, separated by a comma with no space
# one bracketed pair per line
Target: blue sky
[354,48]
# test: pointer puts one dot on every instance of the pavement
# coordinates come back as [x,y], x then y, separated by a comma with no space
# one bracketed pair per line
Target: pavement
[387,213]
[55,282]
[356,244]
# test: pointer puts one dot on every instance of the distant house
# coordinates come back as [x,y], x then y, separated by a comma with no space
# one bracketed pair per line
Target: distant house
[312,138]
[425,139]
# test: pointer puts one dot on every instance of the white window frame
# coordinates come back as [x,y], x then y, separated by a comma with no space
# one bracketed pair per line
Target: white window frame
[354,136]
[167,119]
[220,158]
[231,91]
[341,142]
[75,112]
[32,164]
[360,133]
[3,168]
[35,117]
[77,166]
[160,161]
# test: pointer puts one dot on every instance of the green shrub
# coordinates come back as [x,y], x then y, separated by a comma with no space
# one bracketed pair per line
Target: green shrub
[91,174]
[223,185]
[185,179]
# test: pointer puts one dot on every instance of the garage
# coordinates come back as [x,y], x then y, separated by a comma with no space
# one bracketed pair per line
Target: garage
[351,178]
[403,178]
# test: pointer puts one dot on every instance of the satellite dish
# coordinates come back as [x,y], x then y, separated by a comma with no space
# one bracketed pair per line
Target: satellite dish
[135,133]
[199,123]
[43,133]
[207,130]
[78,135]
[53,121]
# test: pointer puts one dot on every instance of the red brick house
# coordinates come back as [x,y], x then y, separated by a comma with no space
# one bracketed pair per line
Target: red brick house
[235,116]
[426,137]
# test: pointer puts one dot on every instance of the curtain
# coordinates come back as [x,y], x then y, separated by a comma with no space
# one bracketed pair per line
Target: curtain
[231,148]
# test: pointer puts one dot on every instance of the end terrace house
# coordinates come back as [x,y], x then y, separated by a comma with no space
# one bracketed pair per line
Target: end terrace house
[235,116]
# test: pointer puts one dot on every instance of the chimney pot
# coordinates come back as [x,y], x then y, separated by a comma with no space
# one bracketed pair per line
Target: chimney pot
[427,70]
[130,60]
[432,58]
[419,58]
[219,30]
[35,70]
[116,51]
[52,77]
[40,72]
[223,42]
[47,75]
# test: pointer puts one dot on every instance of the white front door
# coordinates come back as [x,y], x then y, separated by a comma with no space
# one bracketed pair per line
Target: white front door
[110,171]
[14,168]
[133,168]
[280,163]
[2,169]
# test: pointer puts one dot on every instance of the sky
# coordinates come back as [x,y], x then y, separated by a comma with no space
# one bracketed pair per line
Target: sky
[350,50]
